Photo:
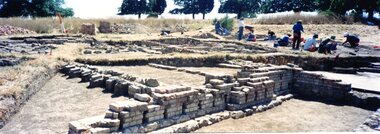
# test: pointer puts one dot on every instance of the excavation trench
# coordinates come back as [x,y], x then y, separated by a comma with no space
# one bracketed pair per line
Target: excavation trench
[63,100]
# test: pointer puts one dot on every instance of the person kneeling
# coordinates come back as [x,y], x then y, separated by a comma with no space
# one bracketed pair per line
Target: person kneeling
[284,41]
[251,36]
[311,43]
[328,45]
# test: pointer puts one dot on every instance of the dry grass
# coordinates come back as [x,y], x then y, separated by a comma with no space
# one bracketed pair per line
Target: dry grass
[51,25]
[17,78]
[307,19]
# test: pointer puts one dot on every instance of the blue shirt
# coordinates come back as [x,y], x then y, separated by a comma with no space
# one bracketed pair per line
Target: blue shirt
[285,38]
[297,28]
[309,42]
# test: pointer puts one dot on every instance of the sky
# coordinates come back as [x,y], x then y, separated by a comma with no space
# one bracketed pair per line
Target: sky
[109,9]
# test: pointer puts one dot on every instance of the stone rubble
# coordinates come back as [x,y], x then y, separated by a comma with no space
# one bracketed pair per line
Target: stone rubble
[11,30]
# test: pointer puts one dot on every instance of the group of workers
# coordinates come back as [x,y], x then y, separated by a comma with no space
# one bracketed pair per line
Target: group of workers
[326,46]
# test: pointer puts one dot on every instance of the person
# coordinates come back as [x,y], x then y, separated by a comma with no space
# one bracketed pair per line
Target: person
[251,36]
[297,29]
[310,44]
[284,41]
[271,35]
[352,40]
[226,32]
[328,45]
[241,29]
[218,28]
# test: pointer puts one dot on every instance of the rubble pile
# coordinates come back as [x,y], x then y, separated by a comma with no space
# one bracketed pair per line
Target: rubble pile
[11,30]
[88,28]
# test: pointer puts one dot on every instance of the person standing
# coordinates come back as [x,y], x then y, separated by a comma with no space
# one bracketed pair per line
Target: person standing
[241,29]
[297,29]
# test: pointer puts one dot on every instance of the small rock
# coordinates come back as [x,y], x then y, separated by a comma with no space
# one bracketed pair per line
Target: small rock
[237,114]
[152,82]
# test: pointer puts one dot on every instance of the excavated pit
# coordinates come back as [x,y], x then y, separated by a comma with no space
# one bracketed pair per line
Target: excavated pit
[335,105]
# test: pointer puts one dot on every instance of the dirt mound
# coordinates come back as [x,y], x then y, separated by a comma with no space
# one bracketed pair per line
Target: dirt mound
[10,30]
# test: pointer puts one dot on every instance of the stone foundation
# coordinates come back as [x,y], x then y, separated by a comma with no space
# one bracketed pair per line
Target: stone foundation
[151,107]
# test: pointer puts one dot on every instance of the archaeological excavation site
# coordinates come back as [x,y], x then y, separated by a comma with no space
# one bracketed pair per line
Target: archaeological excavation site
[199,83]
[80,84]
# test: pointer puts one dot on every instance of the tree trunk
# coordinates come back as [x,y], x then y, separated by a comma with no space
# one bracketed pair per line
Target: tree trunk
[370,15]
[193,16]
[204,15]
[239,15]
[139,15]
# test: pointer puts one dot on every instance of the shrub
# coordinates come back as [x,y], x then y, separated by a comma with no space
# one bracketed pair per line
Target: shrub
[227,22]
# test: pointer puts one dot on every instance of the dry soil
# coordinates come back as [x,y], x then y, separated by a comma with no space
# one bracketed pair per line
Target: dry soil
[60,101]
[296,116]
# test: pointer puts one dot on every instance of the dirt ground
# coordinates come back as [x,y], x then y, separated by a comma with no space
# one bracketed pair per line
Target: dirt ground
[60,101]
[163,76]
[296,116]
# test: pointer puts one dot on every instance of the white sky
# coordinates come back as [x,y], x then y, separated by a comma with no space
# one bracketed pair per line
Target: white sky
[109,8]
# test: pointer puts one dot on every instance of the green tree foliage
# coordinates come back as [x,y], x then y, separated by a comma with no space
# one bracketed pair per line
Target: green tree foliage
[240,7]
[341,7]
[322,5]
[193,7]
[134,7]
[13,8]
[272,6]
[369,6]
[225,22]
[157,6]
[35,8]
[44,8]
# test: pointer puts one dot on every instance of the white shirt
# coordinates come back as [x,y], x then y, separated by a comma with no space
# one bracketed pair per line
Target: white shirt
[241,23]
[309,42]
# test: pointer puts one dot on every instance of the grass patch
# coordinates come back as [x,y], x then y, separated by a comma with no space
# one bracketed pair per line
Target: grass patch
[51,25]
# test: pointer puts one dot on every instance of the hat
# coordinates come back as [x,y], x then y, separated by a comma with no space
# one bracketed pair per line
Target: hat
[333,37]
[345,34]
[299,21]
[315,36]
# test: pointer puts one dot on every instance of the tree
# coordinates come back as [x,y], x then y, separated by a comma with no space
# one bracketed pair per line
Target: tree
[272,6]
[205,6]
[322,5]
[240,7]
[13,8]
[157,6]
[134,7]
[35,8]
[369,6]
[340,7]
[44,8]
[193,7]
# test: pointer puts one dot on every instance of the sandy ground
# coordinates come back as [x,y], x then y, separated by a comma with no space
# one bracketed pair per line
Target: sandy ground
[214,70]
[163,76]
[296,116]
[56,104]
[362,80]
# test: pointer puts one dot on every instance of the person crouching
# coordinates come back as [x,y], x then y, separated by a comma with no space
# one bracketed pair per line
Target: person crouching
[310,44]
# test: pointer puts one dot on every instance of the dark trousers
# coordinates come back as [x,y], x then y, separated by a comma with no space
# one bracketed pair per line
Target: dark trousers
[297,39]
[240,36]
